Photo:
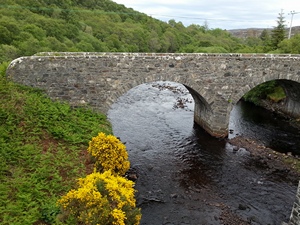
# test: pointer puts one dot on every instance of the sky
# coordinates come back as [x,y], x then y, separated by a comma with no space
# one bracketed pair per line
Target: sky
[230,14]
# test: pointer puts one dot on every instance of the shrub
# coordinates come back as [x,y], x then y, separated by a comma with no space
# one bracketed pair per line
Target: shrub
[102,198]
[260,92]
[3,67]
[109,154]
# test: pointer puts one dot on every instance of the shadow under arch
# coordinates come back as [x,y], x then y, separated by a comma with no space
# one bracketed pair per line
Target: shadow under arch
[202,110]
[289,106]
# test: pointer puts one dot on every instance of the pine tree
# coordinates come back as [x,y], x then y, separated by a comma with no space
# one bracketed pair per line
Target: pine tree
[279,32]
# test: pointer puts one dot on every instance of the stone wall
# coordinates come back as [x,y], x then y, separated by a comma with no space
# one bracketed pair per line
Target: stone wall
[216,81]
[295,215]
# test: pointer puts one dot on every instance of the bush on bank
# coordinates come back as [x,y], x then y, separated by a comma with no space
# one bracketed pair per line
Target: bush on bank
[109,153]
[103,197]
[270,90]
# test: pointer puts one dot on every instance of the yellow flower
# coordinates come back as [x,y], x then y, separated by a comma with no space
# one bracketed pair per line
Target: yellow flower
[119,217]
[110,154]
[100,198]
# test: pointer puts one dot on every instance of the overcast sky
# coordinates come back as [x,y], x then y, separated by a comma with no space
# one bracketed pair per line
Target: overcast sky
[230,14]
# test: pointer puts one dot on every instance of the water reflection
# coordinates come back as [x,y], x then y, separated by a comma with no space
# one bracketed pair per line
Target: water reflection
[201,155]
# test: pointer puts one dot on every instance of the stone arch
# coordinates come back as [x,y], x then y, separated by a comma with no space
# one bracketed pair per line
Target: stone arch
[217,81]
[202,111]
[292,101]
[199,94]
[290,84]
[257,80]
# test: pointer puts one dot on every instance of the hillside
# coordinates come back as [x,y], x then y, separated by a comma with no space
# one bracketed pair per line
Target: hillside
[256,32]
[43,150]
[29,26]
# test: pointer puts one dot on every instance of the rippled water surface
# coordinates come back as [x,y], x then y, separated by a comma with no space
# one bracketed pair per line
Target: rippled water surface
[185,175]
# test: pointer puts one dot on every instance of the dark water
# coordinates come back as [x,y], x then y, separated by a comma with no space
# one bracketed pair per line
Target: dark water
[270,129]
[187,176]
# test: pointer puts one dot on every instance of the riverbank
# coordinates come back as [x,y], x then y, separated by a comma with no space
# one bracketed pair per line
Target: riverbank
[276,165]
[278,108]
[42,149]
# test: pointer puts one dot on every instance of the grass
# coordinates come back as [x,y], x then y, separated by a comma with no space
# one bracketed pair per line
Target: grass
[277,95]
[42,152]
[269,90]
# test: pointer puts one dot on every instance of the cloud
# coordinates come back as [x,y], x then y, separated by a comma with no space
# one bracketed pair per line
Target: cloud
[218,14]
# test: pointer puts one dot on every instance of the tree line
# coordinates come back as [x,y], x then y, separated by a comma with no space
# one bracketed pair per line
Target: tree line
[29,26]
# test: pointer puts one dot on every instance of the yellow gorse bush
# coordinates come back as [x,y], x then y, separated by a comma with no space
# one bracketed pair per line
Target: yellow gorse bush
[104,199]
[109,153]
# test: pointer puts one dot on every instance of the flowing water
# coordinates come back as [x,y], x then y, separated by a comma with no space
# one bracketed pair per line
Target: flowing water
[270,129]
[185,176]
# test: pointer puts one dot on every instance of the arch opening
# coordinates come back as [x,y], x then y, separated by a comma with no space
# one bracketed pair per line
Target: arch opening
[272,123]
[195,102]
[277,95]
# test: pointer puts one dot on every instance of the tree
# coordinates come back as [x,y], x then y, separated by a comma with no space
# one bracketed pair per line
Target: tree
[278,33]
[267,42]
[264,36]
[8,52]
[260,92]
[291,46]
[170,39]
[154,42]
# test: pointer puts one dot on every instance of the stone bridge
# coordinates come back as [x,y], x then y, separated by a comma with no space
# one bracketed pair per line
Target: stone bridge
[216,81]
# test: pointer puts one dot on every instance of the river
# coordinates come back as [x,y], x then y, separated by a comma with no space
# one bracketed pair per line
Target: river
[185,176]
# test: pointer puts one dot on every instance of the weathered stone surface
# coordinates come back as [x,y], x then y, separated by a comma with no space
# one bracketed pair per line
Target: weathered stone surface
[216,81]
[295,215]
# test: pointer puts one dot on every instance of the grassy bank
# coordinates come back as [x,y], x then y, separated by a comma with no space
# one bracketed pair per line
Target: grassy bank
[271,91]
[42,152]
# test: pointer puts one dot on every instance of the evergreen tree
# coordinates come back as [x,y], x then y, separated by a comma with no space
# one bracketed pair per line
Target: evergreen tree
[267,41]
[265,36]
[278,33]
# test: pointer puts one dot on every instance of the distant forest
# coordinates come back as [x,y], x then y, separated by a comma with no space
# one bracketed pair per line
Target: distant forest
[29,26]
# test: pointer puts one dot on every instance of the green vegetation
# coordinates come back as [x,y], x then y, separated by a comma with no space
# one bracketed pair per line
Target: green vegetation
[270,90]
[290,46]
[277,94]
[28,27]
[43,143]
[278,33]
[43,146]
[293,162]
[103,197]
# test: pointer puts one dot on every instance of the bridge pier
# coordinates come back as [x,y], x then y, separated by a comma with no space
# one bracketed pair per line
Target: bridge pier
[214,121]
[214,129]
